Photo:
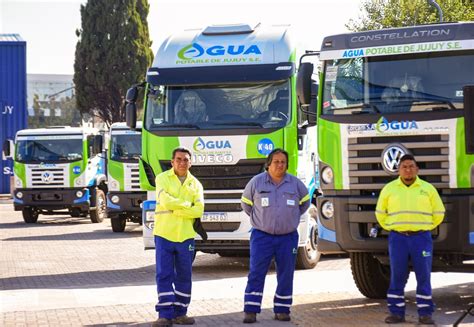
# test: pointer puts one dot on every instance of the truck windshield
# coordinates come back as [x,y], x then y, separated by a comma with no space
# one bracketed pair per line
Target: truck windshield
[263,105]
[50,151]
[394,84]
[126,147]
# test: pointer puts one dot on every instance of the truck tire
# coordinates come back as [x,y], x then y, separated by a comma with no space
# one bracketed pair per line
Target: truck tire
[118,224]
[370,276]
[308,256]
[98,214]
[30,215]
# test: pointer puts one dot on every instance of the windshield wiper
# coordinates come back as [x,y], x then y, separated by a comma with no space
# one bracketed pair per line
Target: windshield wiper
[364,106]
[420,102]
[181,125]
[241,123]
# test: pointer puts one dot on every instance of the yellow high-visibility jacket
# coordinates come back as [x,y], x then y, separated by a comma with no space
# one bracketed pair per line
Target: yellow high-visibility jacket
[417,207]
[177,205]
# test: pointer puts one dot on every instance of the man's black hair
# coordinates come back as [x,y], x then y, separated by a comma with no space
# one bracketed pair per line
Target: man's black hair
[271,154]
[406,157]
[181,149]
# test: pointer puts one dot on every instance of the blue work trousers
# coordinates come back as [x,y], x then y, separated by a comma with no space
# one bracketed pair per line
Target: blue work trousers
[263,247]
[173,276]
[418,248]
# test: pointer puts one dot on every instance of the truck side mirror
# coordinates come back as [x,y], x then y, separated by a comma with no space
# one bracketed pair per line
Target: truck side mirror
[468,92]
[7,149]
[303,83]
[131,107]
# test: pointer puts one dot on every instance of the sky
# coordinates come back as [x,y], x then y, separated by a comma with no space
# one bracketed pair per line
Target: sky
[48,26]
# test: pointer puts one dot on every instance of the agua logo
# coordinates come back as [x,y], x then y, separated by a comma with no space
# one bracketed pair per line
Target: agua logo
[383,125]
[353,53]
[200,145]
[195,50]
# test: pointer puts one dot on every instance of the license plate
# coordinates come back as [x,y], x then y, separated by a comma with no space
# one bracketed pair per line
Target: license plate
[214,216]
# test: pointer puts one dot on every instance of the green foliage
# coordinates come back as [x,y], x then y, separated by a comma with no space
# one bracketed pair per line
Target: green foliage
[377,14]
[113,52]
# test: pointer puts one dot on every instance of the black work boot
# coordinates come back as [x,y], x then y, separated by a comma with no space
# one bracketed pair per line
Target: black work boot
[184,320]
[282,316]
[250,317]
[426,320]
[162,322]
[394,319]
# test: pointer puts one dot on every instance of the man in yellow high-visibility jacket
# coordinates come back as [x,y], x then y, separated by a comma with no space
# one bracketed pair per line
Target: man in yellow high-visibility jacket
[409,208]
[179,201]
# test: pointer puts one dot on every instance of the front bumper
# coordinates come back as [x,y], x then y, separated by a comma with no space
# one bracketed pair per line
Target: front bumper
[52,199]
[354,216]
[233,233]
[129,204]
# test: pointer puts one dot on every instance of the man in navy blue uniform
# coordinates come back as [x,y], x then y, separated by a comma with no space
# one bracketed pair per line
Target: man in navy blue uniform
[274,200]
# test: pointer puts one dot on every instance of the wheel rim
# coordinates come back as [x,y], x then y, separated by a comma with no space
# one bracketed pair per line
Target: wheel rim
[311,244]
[101,206]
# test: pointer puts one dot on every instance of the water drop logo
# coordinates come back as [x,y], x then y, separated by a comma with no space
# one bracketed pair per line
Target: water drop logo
[382,125]
[199,144]
[190,51]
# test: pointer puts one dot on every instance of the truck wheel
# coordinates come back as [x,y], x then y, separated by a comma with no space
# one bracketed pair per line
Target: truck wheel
[371,277]
[30,215]
[98,214]
[118,224]
[308,256]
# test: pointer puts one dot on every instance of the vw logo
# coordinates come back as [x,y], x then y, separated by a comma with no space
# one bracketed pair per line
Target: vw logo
[391,157]
[47,177]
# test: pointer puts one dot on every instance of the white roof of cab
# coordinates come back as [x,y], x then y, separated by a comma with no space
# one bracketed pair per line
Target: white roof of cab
[237,44]
[123,125]
[58,130]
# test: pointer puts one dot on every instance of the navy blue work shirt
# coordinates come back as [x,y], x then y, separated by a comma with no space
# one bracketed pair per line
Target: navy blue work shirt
[275,209]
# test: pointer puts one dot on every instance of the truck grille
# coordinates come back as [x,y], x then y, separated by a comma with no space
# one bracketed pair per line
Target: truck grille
[365,160]
[132,178]
[225,177]
[48,177]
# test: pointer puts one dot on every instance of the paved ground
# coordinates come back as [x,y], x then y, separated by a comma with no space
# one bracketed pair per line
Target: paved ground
[66,271]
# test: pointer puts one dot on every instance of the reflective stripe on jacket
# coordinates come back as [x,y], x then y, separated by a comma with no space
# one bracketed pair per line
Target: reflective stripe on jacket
[409,208]
[177,205]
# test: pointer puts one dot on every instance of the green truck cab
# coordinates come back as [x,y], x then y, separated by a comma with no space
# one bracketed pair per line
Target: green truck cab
[124,196]
[228,93]
[383,94]
[57,169]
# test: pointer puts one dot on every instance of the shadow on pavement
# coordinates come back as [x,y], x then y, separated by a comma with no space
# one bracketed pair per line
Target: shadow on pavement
[87,279]
[452,301]
[92,235]
[205,267]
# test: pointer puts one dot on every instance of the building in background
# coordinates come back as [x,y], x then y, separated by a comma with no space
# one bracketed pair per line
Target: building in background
[13,111]
[51,101]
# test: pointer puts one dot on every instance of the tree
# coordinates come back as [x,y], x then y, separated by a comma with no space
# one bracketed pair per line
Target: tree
[377,14]
[112,53]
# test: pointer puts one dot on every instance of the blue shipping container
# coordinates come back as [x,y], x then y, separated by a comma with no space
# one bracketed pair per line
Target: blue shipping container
[13,112]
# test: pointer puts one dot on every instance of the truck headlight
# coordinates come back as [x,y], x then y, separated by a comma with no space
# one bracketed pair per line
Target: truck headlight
[327,175]
[79,194]
[115,199]
[78,181]
[19,195]
[150,219]
[327,210]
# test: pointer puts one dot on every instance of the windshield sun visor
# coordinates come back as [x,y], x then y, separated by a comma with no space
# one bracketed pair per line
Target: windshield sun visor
[220,74]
